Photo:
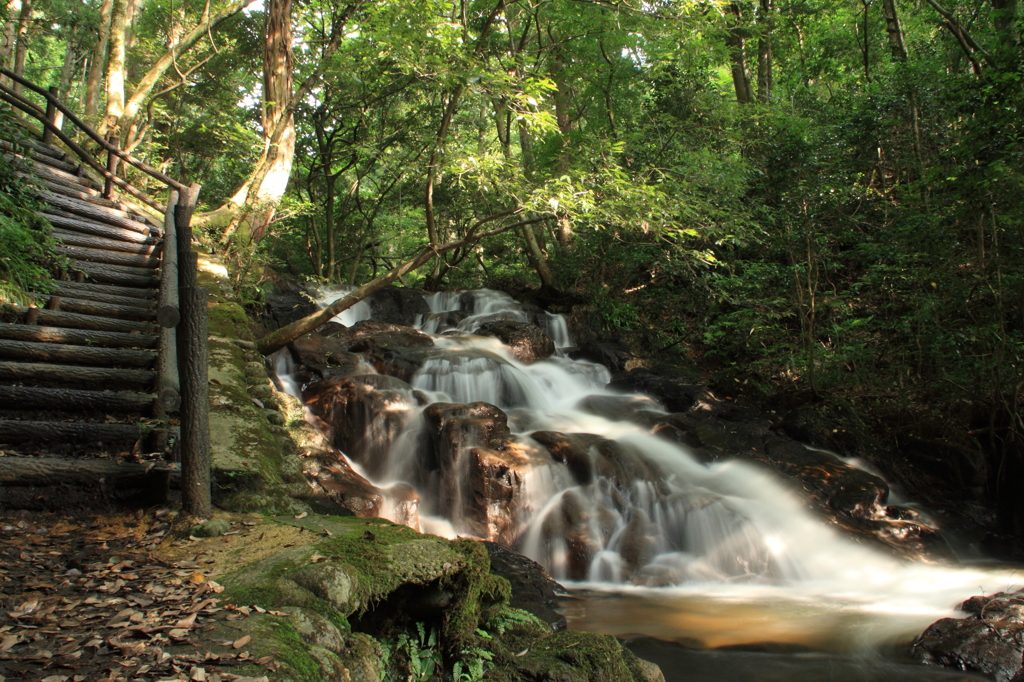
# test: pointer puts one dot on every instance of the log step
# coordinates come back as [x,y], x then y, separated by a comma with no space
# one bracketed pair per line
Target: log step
[13,431]
[73,190]
[102,339]
[56,318]
[47,149]
[111,216]
[80,253]
[44,471]
[132,292]
[77,239]
[93,377]
[69,221]
[34,351]
[64,290]
[120,312]
[70,399]
[114,274]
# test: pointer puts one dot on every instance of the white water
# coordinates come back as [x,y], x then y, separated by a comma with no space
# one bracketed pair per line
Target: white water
[682,533]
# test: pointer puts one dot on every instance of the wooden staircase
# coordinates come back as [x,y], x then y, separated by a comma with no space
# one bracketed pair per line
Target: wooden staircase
[87,361]
[89,381]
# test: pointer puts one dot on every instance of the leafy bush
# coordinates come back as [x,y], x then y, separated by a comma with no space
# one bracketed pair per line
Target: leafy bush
[27,246]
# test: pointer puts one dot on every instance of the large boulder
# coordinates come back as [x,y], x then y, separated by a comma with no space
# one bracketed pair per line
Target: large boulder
[989,640]
[362,415]
[533,589]
[397,305]
[677,395]
[284,308]
[528,342]
[612,354]
[480,467]
[375,335]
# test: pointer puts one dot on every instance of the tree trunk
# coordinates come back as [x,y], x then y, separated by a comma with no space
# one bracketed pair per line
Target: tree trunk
[21,41]
[7,39]
[537,259]
[98,62]
[177,46]
[562,99]
[894,31]
[1004,20]
[282,337]
[738,52]
[764,52]
[115,67]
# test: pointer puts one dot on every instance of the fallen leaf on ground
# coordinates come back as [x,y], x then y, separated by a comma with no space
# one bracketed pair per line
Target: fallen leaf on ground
[240,642]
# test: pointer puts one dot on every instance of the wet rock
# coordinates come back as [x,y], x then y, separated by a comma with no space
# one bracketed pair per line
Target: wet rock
[444,321]
[339,491]
[363,414]
[533,589]
[287,307]
[612,354]
[397,305]
[480,467]
[677,395]
[402,363]
[989,640]
[321,357]
[571,450]
[528,342]
[634,408]
[373,335]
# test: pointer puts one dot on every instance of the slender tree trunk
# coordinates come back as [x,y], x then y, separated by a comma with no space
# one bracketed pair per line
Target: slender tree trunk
[268,182]
[115,66]
[737,49]
[98,61]
[536,256]
[67,71]
[894,31]
[764,52]
[1004,20]
[21,44]
[562,99]
[7,39]
[178,44]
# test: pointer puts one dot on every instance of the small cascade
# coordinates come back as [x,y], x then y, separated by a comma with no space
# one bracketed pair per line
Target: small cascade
[357,313]
[542,457]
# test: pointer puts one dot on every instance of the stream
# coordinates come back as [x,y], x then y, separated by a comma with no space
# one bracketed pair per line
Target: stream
[715,571]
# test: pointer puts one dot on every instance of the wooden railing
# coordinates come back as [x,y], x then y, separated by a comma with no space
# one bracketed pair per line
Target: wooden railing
[182,382]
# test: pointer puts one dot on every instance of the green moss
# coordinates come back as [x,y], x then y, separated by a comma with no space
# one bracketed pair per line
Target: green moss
[229,319]
[477,594]
[292,652]
[568,656]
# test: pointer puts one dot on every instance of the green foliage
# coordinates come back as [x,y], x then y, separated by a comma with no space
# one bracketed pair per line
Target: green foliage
[419,654]
[27,247]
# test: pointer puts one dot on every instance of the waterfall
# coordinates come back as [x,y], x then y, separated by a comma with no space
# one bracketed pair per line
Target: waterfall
[625,509]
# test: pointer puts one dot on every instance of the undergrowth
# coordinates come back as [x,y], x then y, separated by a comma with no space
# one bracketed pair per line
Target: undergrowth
[27,253]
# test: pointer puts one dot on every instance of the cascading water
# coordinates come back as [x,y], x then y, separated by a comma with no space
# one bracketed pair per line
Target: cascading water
[640,515]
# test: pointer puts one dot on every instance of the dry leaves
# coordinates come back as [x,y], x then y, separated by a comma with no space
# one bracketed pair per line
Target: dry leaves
[91,603]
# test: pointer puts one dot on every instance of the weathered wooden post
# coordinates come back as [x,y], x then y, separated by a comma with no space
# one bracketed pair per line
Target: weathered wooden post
[192,339]
[51,116]
[168,391]
[108,186]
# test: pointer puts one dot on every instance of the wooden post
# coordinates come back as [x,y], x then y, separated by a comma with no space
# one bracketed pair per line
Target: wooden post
[168,387]
[192,333]
[108,185]
[195,402]
[51,116]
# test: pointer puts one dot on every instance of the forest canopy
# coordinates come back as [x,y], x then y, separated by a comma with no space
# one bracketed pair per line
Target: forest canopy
[825,194]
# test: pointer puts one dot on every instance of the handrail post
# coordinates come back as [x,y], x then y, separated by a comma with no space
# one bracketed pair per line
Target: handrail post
[193,333]
[168,386]
[108,185]
[51,116]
